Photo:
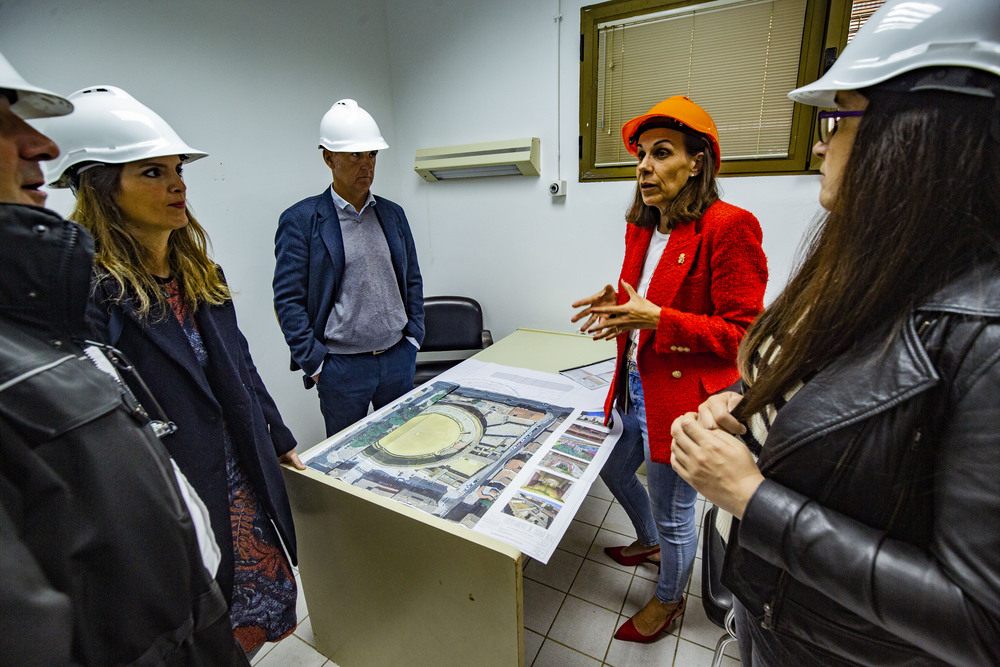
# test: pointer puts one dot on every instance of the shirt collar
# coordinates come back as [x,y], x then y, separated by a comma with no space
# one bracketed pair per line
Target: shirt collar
[344,205]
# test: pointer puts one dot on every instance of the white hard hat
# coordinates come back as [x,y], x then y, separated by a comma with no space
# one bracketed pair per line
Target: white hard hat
[109,126]
[32,101]
[906,35]
[347,128]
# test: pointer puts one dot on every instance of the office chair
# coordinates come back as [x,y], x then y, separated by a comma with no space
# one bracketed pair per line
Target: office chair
[715,597]
[452,324]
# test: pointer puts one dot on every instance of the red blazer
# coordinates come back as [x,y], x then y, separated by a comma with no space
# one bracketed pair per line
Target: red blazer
[709,285]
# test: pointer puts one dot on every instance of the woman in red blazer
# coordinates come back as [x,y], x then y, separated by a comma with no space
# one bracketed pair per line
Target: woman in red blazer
[692,281]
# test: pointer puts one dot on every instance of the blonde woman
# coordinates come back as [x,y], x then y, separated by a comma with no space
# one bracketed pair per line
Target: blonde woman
[160,299]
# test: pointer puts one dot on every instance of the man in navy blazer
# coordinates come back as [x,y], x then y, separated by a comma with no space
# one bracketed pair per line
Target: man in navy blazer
[347,287]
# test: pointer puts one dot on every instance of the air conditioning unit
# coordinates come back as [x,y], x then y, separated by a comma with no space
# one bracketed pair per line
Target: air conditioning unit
[515,157]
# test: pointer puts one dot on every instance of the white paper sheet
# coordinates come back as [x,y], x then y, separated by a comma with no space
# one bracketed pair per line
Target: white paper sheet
[505,451]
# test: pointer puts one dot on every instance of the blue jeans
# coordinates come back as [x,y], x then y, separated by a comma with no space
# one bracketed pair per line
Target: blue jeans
[666,513]
[349,382]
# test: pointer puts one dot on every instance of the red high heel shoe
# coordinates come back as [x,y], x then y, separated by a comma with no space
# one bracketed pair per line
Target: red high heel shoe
[629,633]
[615,553]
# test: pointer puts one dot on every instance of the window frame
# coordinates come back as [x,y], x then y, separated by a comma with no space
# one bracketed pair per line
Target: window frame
[824,35]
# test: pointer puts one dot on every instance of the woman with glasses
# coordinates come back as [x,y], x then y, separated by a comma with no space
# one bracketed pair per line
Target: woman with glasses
[868,529]
[692,281]
[165,304]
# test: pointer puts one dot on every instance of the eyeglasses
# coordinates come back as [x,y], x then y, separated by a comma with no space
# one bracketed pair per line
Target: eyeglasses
[828,121]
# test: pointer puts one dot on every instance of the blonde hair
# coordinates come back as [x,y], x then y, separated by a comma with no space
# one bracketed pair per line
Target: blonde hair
[120,256]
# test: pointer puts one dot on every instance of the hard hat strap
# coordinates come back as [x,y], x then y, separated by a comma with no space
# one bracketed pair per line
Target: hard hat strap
[949,79]
[961,80]
[995,124]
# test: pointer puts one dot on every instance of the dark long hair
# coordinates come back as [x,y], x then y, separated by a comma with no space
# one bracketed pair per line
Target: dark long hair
[121,256]
[918,205]
[700,191]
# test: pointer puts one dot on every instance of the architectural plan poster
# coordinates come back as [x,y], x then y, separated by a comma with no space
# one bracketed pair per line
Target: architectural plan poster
[508,466]
[539,504]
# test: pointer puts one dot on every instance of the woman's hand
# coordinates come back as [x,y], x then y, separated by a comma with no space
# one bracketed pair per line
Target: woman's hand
[636,313]
[606,297]
[716,413]
[715,463]
[292,458]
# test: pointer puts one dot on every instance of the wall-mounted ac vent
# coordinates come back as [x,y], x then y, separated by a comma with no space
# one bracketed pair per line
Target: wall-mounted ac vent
[515,157]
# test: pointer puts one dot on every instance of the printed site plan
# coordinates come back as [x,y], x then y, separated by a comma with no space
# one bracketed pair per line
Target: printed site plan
[510,466]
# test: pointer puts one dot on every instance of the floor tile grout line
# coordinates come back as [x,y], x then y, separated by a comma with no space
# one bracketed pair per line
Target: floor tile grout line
[619,612]
[566,594]
[575,650]
[673,661]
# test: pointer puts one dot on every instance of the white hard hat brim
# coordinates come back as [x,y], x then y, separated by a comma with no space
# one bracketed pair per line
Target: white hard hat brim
[109,127]
[354,146]
[40,103]
[821,92]
[32,101]
[903,36]
[78,159]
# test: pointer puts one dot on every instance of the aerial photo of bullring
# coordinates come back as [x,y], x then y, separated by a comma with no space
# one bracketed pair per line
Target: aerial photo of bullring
[447,450]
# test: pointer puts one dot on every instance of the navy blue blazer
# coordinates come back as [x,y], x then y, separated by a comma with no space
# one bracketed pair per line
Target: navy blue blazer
[309,267]
[199,400]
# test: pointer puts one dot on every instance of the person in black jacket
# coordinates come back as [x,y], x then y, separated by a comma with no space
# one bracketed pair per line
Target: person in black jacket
[162,301]
[868,528]
[101,560]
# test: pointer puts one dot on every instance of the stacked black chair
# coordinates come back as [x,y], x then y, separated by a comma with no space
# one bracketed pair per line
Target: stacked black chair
[716,598]
[453,324]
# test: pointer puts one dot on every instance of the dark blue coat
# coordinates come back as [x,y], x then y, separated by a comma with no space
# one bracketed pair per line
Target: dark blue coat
[309,266]
[229,390]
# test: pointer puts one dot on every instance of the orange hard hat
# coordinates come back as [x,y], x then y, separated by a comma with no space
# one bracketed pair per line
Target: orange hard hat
[683,111]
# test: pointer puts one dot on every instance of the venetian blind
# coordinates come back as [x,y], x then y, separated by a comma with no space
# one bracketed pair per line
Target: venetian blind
[860,11]
[735,58]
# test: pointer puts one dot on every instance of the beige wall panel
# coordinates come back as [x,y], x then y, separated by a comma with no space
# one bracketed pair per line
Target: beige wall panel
[386,586]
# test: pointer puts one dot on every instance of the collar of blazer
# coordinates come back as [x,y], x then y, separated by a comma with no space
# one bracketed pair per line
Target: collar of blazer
[675,264]
[167,335]
[328,223]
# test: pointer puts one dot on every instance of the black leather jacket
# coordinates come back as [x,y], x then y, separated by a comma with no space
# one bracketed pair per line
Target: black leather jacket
[876,533]
[99,557]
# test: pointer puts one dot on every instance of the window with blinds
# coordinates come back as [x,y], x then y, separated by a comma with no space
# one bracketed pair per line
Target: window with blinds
[735,58]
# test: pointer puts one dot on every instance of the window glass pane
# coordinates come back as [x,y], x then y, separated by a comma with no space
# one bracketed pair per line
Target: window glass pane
[860,11]
[627,57]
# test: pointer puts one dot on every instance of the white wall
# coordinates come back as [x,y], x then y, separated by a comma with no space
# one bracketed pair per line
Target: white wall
[466,72]
[249,82]
[246,82]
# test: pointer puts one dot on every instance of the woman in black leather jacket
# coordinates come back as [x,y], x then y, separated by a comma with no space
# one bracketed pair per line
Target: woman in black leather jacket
[868,525]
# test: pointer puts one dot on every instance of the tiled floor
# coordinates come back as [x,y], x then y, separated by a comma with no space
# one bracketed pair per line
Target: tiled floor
[573,605]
